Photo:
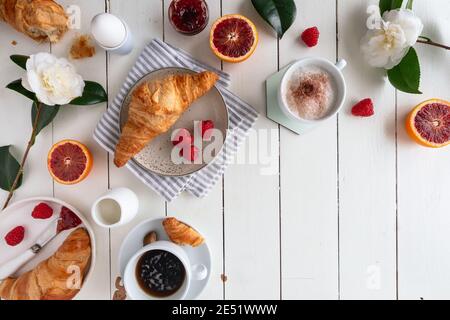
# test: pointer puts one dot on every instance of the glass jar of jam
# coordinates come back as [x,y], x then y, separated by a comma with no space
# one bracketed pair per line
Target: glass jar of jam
[189,16]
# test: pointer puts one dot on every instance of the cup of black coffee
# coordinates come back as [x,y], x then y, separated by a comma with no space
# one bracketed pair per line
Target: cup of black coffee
[160,270]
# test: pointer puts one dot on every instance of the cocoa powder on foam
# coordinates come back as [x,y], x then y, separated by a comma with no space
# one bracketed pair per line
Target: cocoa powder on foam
[310,94]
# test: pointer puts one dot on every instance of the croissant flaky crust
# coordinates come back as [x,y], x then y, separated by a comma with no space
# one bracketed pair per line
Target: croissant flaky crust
[42,20]
[49,280]
[155,107]
[182,234]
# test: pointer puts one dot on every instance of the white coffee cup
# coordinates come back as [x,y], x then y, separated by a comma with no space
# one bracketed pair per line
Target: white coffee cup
[334,70]
[193,272]
[115,208]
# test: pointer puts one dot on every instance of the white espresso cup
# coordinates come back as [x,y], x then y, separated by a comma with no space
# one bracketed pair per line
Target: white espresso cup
[335,72]
[115,208]
[192,272]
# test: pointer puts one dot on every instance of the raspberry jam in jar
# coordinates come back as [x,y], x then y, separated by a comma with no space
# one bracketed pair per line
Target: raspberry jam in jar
[189,16]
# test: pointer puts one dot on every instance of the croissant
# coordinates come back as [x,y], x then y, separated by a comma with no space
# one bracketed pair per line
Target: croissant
[181,233]
[48,281]
[155,107]
[42,20]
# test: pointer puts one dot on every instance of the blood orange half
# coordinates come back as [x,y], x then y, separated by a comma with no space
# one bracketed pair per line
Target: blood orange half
[429,123]
[69,162]
[233,38]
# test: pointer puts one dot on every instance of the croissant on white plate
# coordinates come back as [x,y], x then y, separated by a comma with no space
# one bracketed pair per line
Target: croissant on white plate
[49,280]
[155,107]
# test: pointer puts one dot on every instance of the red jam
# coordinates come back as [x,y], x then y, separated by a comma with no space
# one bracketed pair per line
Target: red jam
[189,16]
[68,220]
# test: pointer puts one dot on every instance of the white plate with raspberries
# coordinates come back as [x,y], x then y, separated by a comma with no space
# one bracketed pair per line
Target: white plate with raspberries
[194,141]
[22,222]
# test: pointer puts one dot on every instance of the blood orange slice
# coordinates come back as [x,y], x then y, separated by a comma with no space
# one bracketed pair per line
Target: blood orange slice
[69,162]
[429,123]
[233,38]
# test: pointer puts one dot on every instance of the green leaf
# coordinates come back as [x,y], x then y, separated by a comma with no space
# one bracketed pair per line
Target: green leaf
[17,86]
[280,14]
[20,60]
[46,116]
[9,169]
[387,5]
[409,5]
[93,93]
[406,76]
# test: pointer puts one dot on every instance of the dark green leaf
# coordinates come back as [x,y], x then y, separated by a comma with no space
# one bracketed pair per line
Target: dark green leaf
[406,76]
[9,169]
[387,5]
[46,116]
[93,93]
[409,5]
[280,14]
[17,86]
[396,4]
[20,60]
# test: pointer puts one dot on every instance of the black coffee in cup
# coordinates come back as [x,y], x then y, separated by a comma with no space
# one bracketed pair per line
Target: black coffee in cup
[160,273]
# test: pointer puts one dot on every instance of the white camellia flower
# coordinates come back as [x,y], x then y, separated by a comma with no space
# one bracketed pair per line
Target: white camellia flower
[386,46]
[53,80]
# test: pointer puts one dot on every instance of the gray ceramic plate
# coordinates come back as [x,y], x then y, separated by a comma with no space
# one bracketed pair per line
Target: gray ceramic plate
[156,156]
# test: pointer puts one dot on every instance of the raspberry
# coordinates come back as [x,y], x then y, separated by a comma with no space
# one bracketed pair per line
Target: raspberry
[311,37]
[207,127]
[363,108]
[183,137]
[42,211]
[15,236]
[192,156]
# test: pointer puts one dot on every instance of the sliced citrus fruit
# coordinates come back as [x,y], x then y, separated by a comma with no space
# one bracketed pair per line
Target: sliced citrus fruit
[69,162]
[429,123]
[233,38]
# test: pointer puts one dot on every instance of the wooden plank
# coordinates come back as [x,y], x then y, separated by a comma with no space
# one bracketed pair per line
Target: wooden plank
[367,172]
[16,120]
[252,247]
[309,229]
[424,175]
[206,213]
[74,122]
[145,21]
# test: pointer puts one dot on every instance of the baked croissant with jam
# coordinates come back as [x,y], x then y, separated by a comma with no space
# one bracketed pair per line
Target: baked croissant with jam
[49,280]
[155,107]
[182,234]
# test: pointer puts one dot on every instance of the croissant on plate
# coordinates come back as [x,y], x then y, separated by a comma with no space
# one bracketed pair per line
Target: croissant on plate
[42,20]
[155,107]
[182,234]
[49,280]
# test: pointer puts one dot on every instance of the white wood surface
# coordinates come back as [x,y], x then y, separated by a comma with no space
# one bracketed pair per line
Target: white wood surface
[367,176]
[353,210]
[309,207]
[424,177]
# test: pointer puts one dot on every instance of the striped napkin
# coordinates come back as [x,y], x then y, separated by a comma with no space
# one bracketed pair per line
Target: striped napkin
[242,116]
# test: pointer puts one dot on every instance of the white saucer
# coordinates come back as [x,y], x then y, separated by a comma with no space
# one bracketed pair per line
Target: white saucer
[19,213]
[134,241]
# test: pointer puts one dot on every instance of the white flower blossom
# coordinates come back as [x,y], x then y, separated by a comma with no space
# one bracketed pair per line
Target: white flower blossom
[386,46]
[53,80]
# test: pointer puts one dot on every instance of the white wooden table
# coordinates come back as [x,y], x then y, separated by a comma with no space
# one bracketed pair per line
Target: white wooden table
[355,209]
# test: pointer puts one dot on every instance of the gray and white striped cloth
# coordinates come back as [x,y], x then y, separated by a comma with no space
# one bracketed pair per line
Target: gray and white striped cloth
[157,55]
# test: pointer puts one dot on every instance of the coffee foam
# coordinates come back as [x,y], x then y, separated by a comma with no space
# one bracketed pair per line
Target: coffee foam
[310,93]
